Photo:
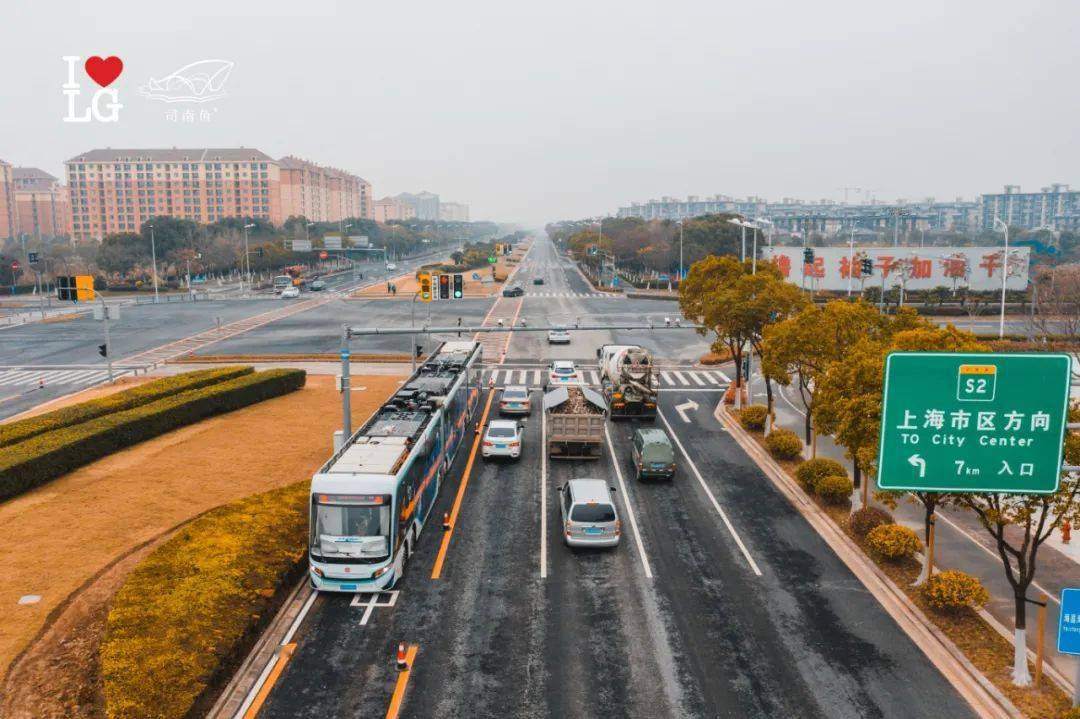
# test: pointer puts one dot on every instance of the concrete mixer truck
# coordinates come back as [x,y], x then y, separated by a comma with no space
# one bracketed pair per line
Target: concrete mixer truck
[628,381]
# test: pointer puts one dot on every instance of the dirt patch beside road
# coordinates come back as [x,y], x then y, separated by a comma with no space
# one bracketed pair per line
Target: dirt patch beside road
[74,536]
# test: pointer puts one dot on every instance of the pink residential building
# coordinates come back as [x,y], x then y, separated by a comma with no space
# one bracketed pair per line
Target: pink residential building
[117,190]
[393,208]
[322,194]
[42,208]
[7,202]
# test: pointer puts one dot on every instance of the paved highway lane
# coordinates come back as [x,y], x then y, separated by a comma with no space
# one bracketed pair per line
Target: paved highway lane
[705,635]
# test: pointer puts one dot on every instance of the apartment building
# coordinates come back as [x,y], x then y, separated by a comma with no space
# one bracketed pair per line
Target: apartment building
[42,207]
[453,212]
[393,208]
[7,202]
[1055,207]
[322,194]
[116,190]
[425,204]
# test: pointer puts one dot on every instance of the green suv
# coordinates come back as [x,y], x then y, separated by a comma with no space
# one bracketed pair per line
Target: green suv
[652,453]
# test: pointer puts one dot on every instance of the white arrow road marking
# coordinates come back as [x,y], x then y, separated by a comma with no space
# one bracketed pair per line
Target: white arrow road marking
[916,461]
[681,409]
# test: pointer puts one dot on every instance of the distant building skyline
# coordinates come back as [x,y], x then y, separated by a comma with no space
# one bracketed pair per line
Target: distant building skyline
[42,204]
[1054,207]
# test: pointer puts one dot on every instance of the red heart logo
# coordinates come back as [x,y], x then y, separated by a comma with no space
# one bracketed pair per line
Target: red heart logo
[104,70]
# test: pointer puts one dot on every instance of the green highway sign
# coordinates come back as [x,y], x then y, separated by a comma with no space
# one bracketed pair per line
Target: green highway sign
[492,260]
[971,422]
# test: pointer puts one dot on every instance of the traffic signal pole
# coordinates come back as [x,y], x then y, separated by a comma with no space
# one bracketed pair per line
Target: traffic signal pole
[105,320]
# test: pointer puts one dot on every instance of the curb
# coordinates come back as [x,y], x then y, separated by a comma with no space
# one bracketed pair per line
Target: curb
[979,692]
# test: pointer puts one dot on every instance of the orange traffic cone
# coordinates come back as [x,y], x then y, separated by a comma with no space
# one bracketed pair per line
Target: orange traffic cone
[41,383]
[402,662]
[446,521]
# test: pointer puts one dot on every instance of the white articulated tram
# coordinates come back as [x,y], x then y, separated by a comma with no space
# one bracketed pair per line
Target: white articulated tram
[371,500]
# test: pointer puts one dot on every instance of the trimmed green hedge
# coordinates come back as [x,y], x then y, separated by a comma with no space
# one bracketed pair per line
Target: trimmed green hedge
[24,429]
[187,614]
[40,459]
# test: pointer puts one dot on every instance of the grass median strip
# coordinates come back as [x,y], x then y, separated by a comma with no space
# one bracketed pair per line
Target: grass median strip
[22,430]
[47,456]
[187,614]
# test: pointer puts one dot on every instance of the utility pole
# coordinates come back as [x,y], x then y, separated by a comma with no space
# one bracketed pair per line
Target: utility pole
[105,320]
[680,251]
[346,409]
[153,259]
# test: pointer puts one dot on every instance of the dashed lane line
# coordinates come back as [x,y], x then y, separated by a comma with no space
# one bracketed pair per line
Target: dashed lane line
[626,503]
[711,496]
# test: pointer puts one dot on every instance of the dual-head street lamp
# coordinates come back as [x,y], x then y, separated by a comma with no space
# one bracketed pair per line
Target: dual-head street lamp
[754,225]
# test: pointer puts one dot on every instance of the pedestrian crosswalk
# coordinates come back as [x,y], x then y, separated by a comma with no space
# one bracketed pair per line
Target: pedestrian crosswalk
[693,379]
[608,295]
[35,378]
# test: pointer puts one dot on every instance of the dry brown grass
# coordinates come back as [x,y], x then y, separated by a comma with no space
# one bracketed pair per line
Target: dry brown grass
[133,496]
[990,652]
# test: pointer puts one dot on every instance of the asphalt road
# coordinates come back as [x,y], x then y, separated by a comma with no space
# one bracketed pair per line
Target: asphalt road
[144,327]
[720,600]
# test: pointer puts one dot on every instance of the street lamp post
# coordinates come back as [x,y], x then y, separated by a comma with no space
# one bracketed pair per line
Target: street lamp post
[851,257]
[1004,274]
[153,259]
[247,255]
[680,252]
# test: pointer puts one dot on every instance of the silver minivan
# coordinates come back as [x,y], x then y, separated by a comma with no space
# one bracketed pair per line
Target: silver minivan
[589,516]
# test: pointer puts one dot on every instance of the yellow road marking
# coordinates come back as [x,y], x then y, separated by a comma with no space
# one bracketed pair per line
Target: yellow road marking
[402,682]
[267,687]
[436,571]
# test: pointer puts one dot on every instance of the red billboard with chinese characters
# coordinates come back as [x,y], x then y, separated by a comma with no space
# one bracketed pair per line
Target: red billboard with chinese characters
[916,268]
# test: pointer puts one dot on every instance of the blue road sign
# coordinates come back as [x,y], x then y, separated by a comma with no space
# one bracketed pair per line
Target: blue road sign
[1069,622]
[665,278]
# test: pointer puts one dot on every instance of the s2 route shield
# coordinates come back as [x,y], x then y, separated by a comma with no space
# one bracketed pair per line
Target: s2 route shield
[970,422]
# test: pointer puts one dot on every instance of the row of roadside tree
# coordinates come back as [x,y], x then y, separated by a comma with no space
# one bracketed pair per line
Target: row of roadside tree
[833,354]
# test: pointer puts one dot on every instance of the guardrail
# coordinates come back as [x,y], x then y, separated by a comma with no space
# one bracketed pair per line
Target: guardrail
[196,296]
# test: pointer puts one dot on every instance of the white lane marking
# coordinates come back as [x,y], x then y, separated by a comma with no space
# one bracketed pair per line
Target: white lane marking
[495,376]
[593,378]
[711,377]
[666,377]
[543,495]
[257,686]
[681,409]
[697,379]
[16,376]
[682,380]
[521,376]
[626,503]
[722,375]
[536,378]
[712,497]
[790,403]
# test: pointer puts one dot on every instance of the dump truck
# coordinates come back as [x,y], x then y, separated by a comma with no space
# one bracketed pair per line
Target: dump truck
[575,423]
[628,381]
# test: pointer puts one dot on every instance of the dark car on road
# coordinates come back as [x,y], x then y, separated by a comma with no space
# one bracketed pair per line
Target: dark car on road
[513,291]
[317,286]
[538,280]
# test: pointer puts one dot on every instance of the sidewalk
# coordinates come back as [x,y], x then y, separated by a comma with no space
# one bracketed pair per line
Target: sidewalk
[961,543]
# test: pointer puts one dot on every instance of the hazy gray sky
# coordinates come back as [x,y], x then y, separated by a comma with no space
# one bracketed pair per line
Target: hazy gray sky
[560,109]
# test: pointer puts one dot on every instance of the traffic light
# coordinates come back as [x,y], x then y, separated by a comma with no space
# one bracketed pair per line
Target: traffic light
[867,267]
[66,289]
[459,286]
[808,255]
[444,287]
[425,287]
[419,351]
[103,350]
[15,267]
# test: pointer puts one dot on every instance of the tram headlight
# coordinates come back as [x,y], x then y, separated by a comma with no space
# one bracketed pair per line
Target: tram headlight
[316,571]
[379,572]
